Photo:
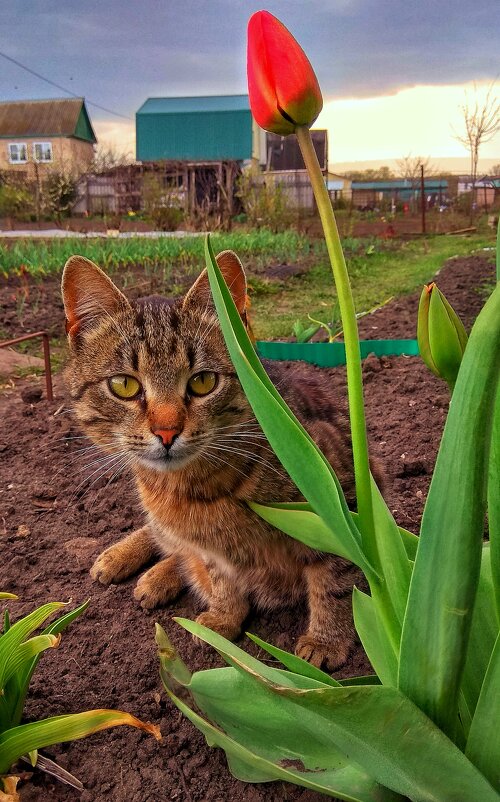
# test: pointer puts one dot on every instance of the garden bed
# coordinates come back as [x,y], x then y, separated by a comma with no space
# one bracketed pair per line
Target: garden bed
[53,524]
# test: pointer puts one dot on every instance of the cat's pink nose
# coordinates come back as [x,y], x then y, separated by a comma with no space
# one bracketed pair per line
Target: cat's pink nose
[167,435]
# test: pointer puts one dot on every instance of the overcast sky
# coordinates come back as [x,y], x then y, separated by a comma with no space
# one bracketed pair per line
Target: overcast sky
[118,53]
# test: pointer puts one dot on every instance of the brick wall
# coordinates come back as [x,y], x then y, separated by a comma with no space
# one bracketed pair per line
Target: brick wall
[68,155]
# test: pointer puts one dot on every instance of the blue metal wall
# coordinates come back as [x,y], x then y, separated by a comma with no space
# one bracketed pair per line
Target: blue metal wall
[208,135]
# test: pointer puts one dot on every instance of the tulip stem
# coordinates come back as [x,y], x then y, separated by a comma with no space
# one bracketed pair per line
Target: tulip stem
[353,354]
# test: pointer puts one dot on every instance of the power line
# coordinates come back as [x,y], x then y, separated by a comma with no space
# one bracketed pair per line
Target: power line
[62,88]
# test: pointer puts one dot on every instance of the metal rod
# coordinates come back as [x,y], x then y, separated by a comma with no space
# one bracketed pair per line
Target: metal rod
[46,356]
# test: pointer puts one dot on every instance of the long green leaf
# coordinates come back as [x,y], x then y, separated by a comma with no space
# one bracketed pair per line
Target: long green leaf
[16,689]
[230,653]
[293,663]
[494,500]
[275,716]
[309,528]
[388,736]
[27,737]
[445,576]
[12,639]
[483,744]
[259,760]
[484,631]
[391,596]
[24,653]
[373,636]
[410,541]
[295,449]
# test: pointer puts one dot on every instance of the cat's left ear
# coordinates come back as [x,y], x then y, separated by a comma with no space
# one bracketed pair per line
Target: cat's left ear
[234,276]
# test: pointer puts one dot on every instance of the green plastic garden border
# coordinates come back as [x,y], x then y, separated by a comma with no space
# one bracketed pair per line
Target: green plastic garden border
[330,355]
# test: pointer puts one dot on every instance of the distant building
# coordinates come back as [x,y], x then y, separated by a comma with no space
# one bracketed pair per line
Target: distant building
[211,128]
[41,135]
[487,190]
[283,152]
[372,194]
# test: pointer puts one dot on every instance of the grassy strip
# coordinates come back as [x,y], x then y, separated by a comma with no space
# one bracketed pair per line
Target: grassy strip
[41,258]
[391,269]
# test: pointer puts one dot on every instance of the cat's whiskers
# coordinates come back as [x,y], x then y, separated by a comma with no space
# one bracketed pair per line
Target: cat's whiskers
[252,457]
[71,457]
[101,471]
[221,462]
[105,463]
[245,441]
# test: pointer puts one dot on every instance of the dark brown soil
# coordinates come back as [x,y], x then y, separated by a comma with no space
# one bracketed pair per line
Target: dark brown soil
[55,518]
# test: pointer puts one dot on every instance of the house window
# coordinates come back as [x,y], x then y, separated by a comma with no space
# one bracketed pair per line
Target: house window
[42,151]
[18,153]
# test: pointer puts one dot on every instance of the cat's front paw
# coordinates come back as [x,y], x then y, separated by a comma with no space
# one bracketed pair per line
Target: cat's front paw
[160,585]
[112,565]
[223,626]
[322,654]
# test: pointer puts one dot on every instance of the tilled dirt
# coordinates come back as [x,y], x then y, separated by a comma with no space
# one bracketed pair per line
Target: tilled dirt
[56,516]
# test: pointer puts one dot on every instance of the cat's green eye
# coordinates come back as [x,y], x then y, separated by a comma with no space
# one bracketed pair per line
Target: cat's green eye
[125,387]
[202,383]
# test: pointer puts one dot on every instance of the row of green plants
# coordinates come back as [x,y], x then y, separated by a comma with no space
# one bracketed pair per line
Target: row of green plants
[43,258]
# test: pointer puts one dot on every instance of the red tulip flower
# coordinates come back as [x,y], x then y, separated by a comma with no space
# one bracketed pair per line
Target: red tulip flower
[283,89]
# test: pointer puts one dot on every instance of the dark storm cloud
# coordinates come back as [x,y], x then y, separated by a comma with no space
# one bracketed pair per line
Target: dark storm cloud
[118,53]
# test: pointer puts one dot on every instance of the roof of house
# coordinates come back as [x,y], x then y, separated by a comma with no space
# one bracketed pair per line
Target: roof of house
[401,184]
[59,117]
[186,105]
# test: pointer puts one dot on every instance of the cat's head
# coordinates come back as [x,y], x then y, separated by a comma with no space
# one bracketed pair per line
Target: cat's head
[151,381]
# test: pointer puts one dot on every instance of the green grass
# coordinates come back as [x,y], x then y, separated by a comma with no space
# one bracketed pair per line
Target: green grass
[393,269]
[41,258]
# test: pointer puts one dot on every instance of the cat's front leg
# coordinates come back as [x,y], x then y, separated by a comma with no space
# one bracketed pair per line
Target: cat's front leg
[330,635]
[161,584]
[228,606]
[125,558]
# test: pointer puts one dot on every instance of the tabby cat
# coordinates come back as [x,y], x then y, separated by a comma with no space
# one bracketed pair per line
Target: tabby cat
[152,383]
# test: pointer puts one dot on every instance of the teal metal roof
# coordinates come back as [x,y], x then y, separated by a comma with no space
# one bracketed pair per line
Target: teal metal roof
[209,128]
[181,105]
[429,184]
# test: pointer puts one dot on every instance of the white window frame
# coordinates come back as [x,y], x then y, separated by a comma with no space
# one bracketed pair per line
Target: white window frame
[42,145]
[17,145]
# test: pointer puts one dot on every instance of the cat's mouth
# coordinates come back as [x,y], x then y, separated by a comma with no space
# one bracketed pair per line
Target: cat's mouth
[170,460]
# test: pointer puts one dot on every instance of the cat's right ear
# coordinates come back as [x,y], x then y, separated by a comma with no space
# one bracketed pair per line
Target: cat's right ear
[88,294]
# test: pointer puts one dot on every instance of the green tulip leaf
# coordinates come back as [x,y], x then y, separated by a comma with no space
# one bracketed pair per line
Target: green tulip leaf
[446,573]
[309,528]
[293,663]
[484,630]
[483,744]
[381,652]
[261,759]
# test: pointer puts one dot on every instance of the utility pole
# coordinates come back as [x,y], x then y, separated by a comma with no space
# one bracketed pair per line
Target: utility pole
[422,196]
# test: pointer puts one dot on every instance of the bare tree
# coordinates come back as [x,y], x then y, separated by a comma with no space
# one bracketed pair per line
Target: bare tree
[108,156]
[410,168]
[481,123]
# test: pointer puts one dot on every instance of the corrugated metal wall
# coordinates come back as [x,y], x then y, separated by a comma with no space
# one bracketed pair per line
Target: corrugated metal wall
[194,136]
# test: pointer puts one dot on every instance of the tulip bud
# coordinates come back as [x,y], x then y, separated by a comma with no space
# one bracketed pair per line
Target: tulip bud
[440,334]
[283,89]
